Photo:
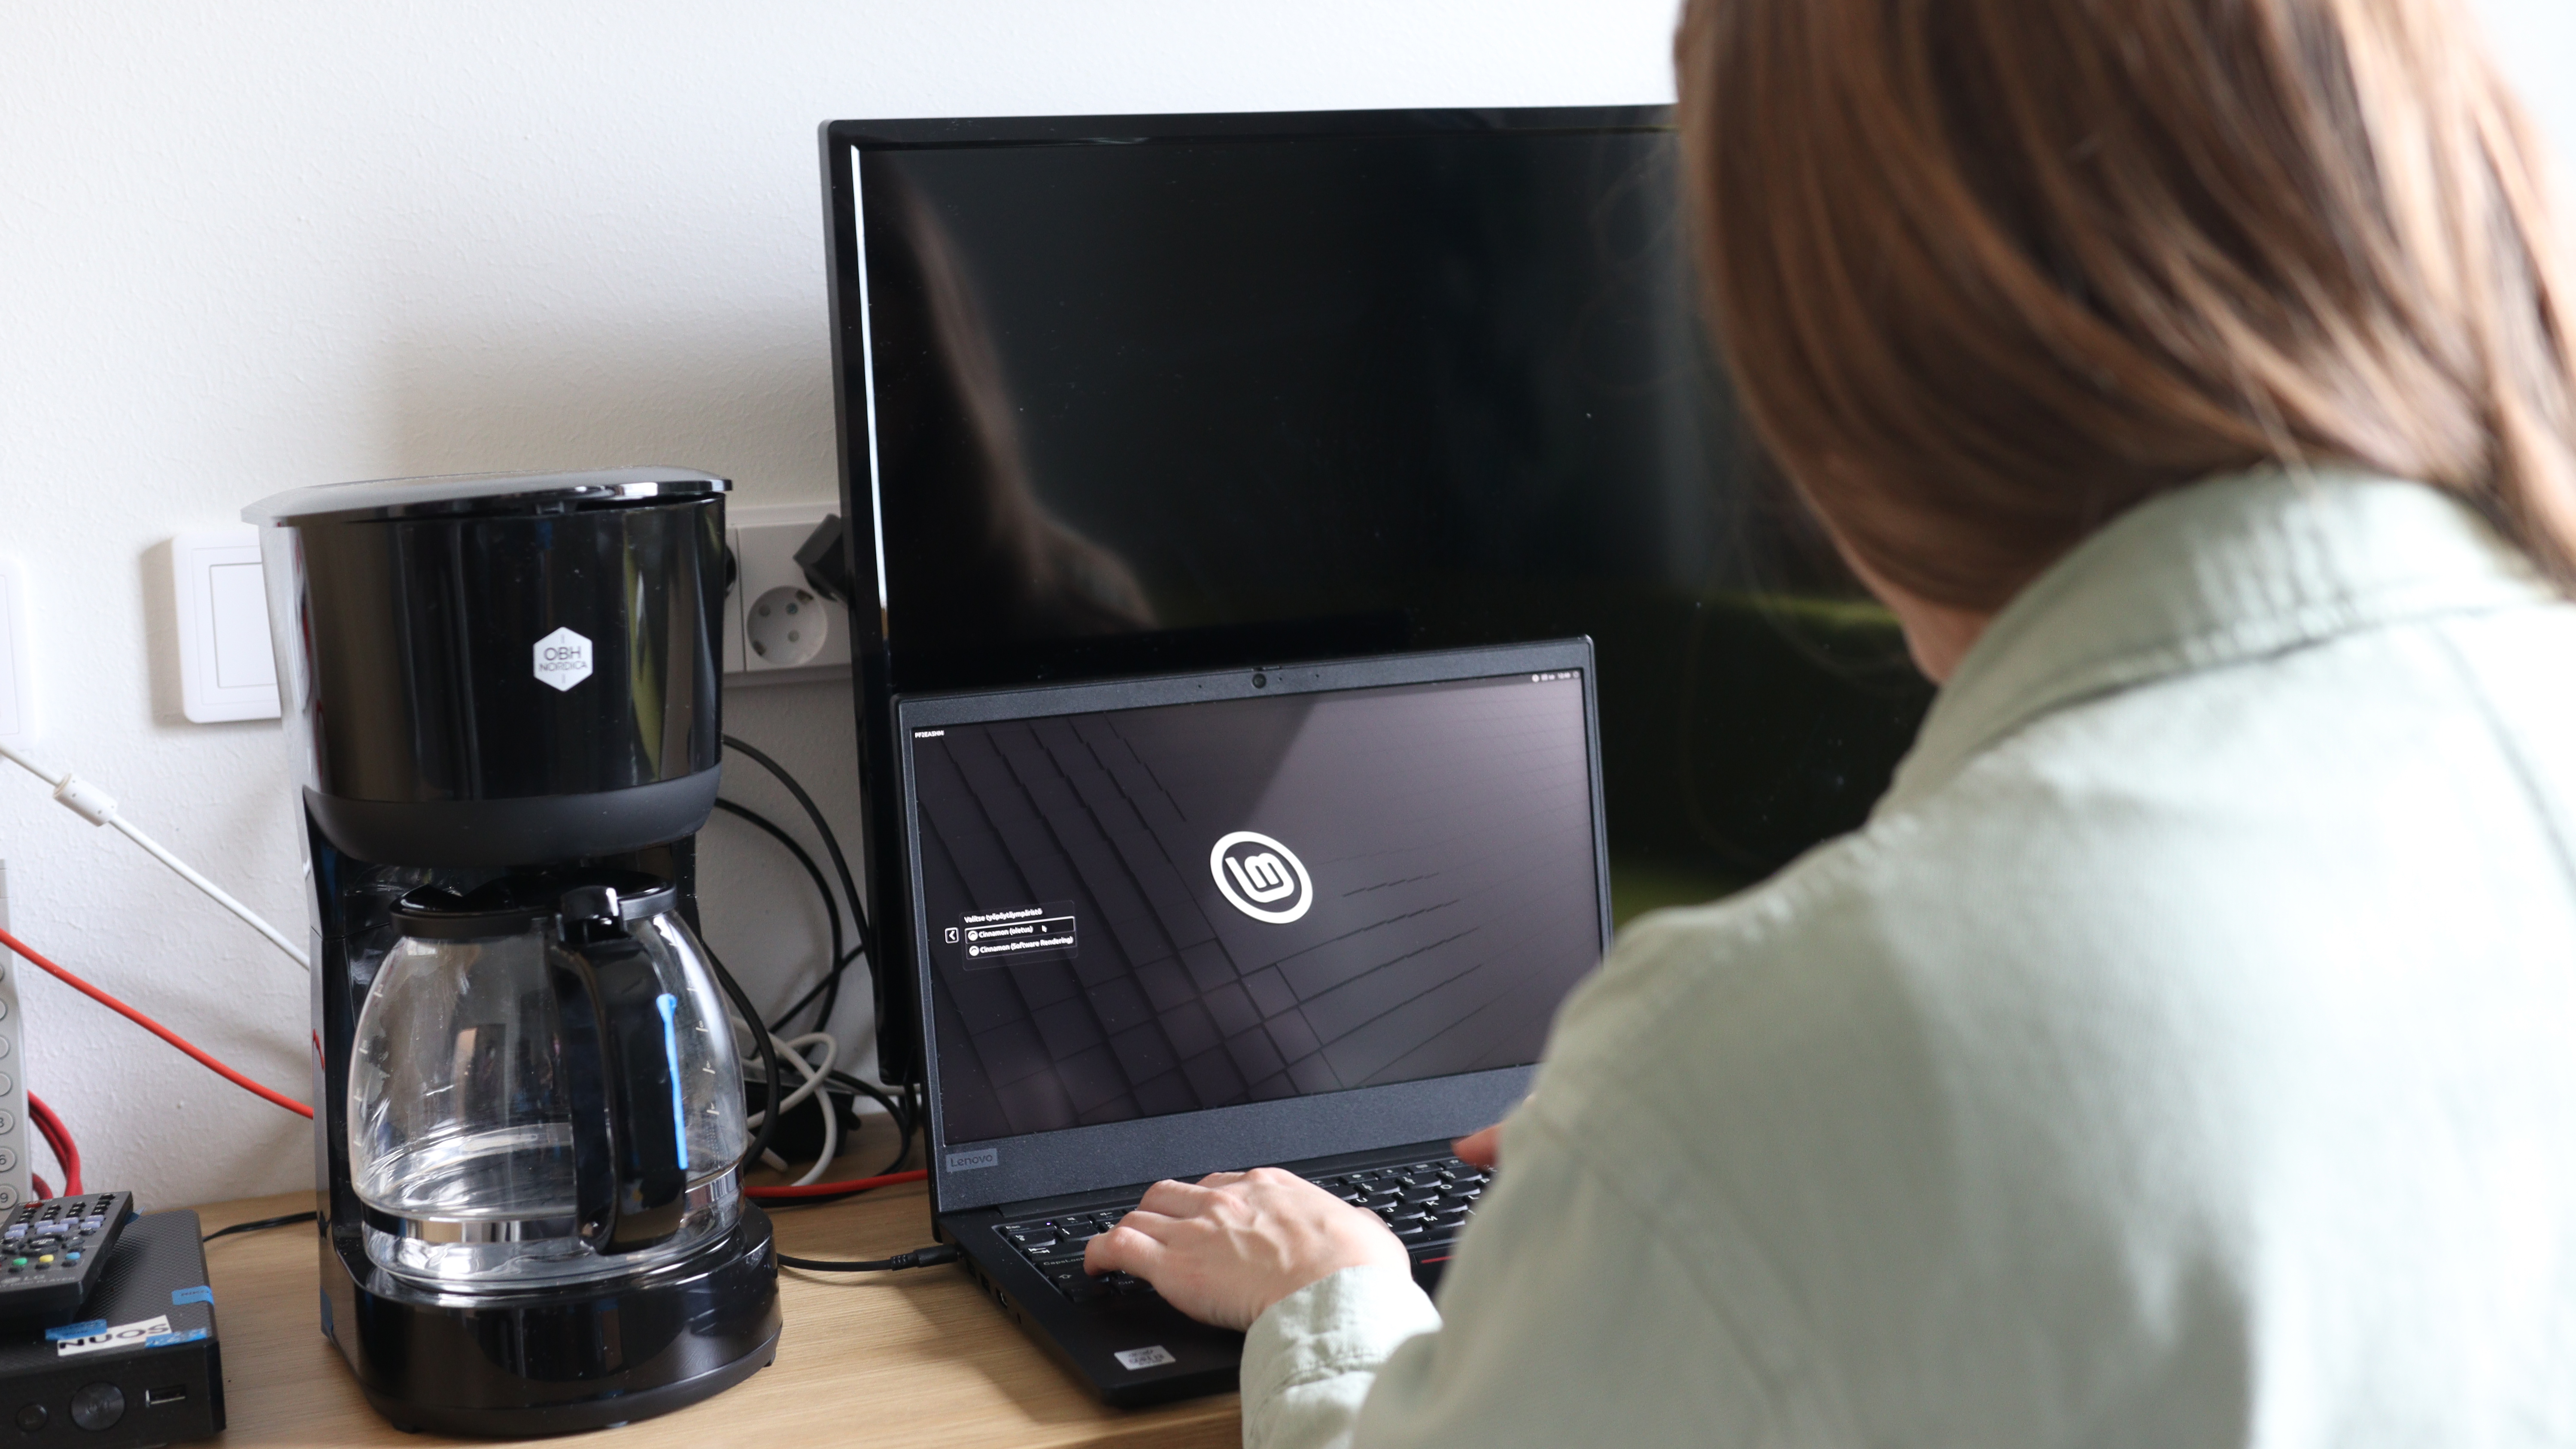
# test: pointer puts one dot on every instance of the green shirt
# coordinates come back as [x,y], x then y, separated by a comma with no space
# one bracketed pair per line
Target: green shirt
[2183,1054]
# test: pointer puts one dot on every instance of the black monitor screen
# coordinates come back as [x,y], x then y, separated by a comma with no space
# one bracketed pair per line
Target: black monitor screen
[1135,395]
[1147,911]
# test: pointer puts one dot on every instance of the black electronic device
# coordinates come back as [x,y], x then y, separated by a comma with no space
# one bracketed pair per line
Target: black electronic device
[503,694]
[52,1252]
[1135,394]
[1316,916]
[142,1367]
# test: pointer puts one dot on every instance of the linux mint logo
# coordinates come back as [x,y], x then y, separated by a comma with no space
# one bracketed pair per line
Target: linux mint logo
[1261,877]
[563,659]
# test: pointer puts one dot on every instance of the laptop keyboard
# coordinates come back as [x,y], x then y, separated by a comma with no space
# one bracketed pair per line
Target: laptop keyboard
[1424,1202]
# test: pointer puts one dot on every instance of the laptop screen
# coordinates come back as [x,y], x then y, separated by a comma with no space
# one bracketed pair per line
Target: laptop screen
[1139,912]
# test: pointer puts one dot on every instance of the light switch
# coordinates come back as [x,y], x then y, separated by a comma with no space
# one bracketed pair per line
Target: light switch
[226,668]
[17,670]
[242,657]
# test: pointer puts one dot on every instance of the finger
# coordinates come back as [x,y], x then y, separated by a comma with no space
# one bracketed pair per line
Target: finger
[1220,1179]
[1178,1199]
[1123,1249]
[1480,1149]
[1153,1225]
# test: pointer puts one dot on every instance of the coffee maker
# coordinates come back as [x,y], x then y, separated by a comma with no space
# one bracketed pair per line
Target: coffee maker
[502,693]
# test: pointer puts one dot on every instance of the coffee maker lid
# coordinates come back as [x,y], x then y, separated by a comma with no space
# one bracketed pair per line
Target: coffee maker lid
[468,493]
[515,904]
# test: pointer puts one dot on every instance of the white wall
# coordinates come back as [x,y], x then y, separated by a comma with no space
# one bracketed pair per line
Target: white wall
[246,248]
[2536,41]
[250,247]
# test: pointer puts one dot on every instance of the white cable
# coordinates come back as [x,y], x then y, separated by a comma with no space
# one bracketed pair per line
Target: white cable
[98,808]
[831,1147]
[814,1073]
[831,1119]
[793,1050]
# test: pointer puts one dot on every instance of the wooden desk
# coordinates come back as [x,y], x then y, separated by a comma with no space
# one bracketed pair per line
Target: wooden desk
[899,1359]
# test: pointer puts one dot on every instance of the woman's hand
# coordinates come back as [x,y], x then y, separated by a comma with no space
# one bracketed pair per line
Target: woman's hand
[1226,1248]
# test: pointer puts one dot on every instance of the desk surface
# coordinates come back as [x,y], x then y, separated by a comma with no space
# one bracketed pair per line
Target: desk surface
[914,1358]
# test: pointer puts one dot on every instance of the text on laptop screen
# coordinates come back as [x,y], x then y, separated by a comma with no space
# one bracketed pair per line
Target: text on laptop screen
[1159,910]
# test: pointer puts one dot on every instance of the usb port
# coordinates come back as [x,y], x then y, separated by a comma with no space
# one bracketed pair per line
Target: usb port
[174,1394]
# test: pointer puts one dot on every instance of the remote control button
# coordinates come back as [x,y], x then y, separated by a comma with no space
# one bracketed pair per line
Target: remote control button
[71,1257]
[98,1406]
[32,1417]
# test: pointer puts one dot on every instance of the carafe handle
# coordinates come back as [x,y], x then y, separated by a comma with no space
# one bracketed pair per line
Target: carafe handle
[621,1068]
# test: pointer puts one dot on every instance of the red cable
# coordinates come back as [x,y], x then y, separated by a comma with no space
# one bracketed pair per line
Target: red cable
[42,1192]
[828,1189]
[59,1138]
[48,1134]
[154,1027]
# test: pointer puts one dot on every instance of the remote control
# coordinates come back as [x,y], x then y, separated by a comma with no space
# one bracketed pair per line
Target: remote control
[52,1252]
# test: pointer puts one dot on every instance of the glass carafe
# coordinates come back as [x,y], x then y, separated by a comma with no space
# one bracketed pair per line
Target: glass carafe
[544,1087]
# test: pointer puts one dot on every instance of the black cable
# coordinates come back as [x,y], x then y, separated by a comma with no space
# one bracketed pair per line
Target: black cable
[911,1089]
[831,907]
[264,1224]
[902,1120]
[768,1058]
[894,1109]
[840,864]
[829,988]
[918,1258]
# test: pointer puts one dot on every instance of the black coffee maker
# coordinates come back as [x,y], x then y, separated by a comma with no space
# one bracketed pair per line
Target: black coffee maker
[528,1119]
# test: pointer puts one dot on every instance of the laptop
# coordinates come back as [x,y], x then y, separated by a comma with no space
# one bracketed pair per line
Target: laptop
[1317,916]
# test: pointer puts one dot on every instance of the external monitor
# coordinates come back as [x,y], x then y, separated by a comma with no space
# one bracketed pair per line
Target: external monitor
[1127,395]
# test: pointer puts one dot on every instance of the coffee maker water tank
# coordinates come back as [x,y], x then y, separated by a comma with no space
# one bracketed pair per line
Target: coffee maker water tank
[501,670]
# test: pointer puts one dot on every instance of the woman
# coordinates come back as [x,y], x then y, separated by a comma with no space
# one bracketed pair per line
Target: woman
[2185,1052]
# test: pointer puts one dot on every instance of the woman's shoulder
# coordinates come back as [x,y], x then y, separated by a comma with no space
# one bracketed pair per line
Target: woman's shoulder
[2209,879]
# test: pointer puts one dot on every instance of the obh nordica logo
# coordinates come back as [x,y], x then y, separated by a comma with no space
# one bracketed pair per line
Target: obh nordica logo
[562,659]
[1261,878]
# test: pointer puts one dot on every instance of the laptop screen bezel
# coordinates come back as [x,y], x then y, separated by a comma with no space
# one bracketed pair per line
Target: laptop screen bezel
[1185,1144]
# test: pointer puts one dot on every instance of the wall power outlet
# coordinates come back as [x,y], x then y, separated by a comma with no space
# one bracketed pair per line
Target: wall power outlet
[777,629]
[14,1166]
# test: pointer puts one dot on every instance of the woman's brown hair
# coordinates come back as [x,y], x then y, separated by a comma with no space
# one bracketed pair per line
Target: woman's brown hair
[1989,272]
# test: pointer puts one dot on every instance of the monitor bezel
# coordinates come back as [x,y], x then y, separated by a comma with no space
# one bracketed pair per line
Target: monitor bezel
[1187,1144]
[874,658]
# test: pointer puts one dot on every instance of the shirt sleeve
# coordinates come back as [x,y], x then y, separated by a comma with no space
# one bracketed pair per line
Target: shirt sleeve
[1568,1317]
[1309,1361]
